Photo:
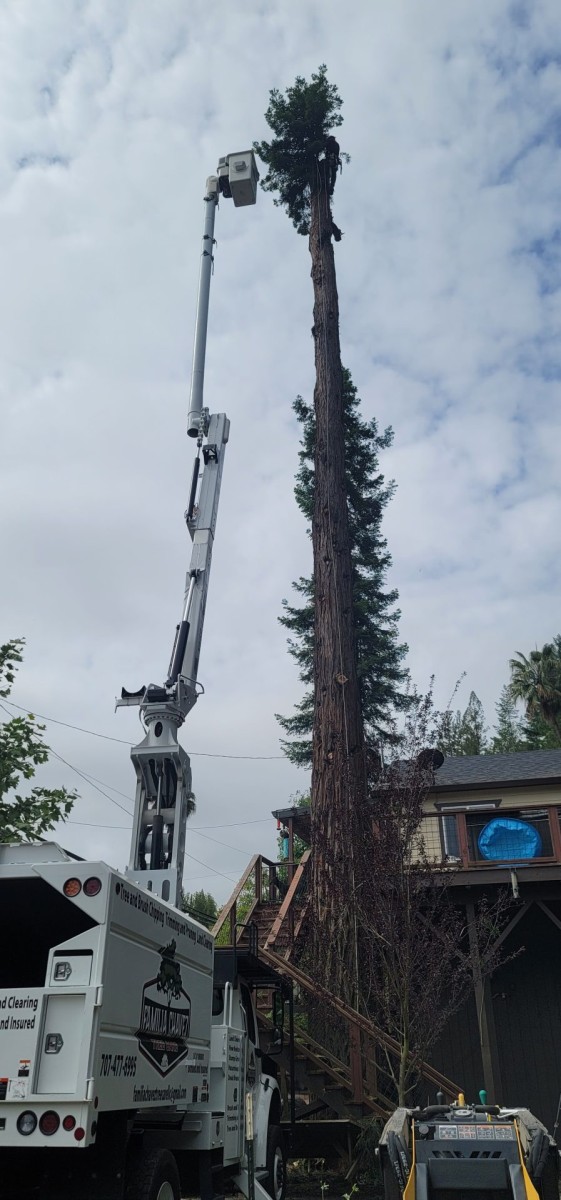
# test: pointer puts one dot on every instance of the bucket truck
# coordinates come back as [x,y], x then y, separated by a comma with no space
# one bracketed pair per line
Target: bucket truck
[130,1065]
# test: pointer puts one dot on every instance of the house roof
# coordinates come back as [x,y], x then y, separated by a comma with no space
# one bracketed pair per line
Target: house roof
[469,773]
[489,770]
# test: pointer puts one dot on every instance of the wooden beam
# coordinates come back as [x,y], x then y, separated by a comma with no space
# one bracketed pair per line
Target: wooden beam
[545,908]
[290,849]
[225,912]
[485,1016]
[511,925]
[355,1058]
[462,838]
[287,902]
[389,1043]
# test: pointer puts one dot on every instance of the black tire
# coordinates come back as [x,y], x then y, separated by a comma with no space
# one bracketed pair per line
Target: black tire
[538,1155]
[548,1184]
[275,1182]
[153,1175]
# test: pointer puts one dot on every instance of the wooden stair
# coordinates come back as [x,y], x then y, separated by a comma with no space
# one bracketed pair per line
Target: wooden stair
[325,1077]
[348,1086]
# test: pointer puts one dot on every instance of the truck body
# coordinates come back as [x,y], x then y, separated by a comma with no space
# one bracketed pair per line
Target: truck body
[115,1016]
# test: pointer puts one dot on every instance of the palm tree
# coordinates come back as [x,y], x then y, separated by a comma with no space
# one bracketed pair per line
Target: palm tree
[536,681]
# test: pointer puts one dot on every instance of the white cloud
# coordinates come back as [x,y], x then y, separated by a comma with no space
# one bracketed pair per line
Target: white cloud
[111,118]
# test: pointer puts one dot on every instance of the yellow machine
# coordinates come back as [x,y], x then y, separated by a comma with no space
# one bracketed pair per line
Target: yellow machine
[468,1152]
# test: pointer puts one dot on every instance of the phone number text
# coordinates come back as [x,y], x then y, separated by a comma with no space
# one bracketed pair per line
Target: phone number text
[118,1065]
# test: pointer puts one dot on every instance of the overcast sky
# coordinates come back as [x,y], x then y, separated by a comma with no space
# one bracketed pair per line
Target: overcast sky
[111,117]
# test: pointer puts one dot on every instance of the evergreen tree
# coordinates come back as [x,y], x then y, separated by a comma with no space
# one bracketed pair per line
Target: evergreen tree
[303,158]
[296,157]
[200,905]
[509,736]
[463,733]
[381,673]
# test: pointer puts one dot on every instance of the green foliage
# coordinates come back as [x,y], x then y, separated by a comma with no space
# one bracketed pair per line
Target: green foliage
[536,681]
[301,120]
[464,732]
[244,903]
[24,817]
[200,905]
[509,736]
[381,672]
[539,735]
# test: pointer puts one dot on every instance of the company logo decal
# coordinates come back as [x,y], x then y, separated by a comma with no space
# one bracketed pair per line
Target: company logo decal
[165,1016]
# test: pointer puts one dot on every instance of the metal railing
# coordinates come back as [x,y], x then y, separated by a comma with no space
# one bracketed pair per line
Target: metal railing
[457,839]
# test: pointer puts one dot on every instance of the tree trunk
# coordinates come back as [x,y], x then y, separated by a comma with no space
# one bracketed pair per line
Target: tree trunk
[402,1076]
[338,769]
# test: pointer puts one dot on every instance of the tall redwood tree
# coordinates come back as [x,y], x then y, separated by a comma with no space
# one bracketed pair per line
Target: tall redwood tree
[303,159]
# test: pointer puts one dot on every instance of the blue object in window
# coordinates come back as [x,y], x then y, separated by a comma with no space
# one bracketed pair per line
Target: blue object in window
[507,837]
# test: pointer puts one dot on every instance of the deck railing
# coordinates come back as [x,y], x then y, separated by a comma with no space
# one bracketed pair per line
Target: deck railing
[464,839]
[263,882]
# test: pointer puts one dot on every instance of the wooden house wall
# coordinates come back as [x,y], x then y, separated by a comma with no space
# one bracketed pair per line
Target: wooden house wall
[510,797]
[527,1006]
[526,994]
[457,1053]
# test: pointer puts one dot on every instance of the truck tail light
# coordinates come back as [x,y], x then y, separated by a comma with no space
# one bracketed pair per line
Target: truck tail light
[79,1134]
[92,886]
[72,888]
[68,1123]
[49,1123]
[26,1123]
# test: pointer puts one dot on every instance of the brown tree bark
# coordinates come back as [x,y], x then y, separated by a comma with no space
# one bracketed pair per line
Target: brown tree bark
[338,770]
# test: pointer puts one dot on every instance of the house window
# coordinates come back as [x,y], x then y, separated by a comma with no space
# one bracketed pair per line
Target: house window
[450,839]
[513,836]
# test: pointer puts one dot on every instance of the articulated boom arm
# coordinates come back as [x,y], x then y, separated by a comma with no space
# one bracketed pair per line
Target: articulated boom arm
[163,771]
[201,522]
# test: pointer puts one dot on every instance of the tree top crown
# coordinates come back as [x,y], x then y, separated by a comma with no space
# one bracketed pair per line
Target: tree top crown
[301,120]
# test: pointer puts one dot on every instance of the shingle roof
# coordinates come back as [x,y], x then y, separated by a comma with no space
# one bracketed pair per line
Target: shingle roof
[481,770]
[468,773]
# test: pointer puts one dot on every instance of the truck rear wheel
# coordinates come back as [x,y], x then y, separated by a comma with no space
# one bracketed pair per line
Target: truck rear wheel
[275,1183]
[153,1175]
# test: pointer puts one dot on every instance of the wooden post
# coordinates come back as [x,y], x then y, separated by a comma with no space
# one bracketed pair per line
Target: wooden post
[553,814]
[233,919]
[371,1071]
[485,1017]
[355,1063]
[463,838]
[290,850]
[258,880]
